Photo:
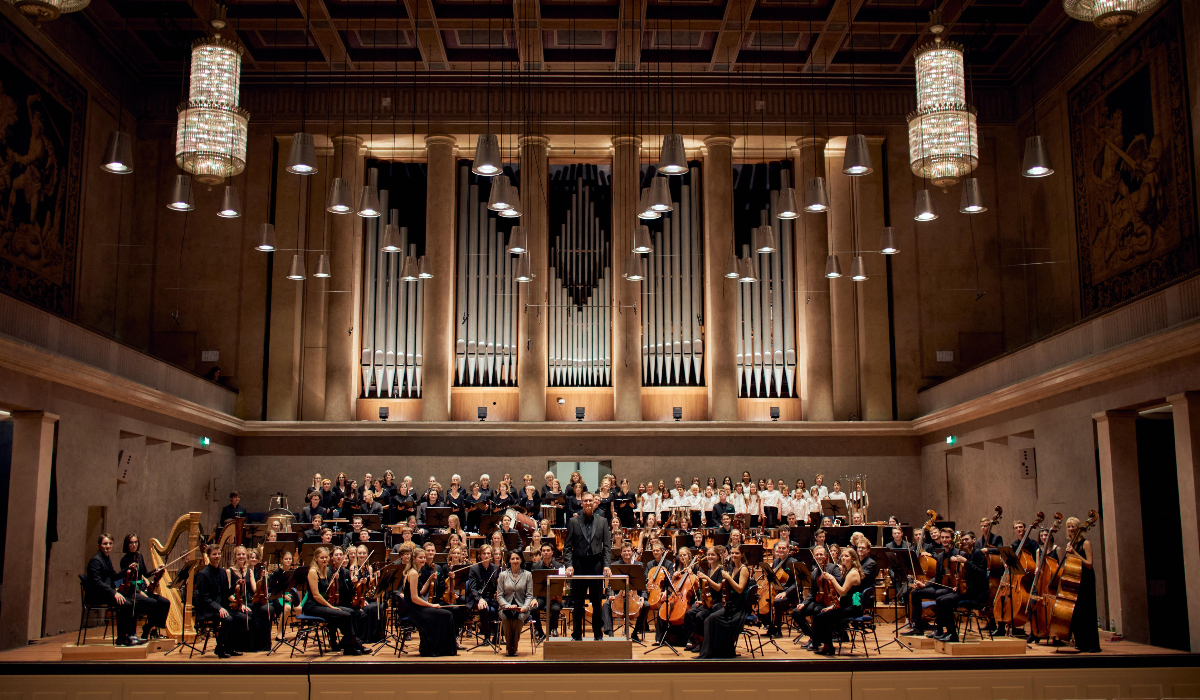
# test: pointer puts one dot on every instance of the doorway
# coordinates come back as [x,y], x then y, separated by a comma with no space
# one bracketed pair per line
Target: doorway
[591,472]
[1162,538]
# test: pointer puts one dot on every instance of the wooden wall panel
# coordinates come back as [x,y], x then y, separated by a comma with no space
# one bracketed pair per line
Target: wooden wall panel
[501,403]
[657,402]
[398,409]
[760,409]
[597,402]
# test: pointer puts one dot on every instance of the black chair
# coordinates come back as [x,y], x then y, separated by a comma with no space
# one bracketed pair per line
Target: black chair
[310,627]
[87,610]
[854,628]
[752,630]
[968,613]
[205,630]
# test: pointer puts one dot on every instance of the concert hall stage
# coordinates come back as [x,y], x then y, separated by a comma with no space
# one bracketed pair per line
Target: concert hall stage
[1121,670]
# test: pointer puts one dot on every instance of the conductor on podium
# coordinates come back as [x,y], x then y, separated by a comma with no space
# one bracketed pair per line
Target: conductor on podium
[587,552]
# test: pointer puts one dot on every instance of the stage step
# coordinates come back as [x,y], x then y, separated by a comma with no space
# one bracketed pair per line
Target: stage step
[567,649]
[103,652]
[988,647]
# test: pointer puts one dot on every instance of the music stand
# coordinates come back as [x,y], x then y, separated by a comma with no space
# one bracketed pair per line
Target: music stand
[753,554]
[635,580]
[371,521]
[308,550]
[834,508]
[273,550]
[488,522]
[289,584]
[802,567]
[180,583]
[545,591]
[388,582]
[899,563]
[437,517]
[439,539]
[719,539]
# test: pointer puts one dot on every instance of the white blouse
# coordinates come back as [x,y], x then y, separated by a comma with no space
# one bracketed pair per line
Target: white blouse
[650,503]
[753,505]
[770,498]
[708,502]
[739,502]
[822,493]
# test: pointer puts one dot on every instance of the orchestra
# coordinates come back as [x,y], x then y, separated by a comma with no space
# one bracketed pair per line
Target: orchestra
[456,561]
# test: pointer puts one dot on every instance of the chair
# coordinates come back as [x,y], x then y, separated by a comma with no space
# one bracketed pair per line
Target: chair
[859,627]
[87,610]
[971,612]
[752,630]
[310,627]
[205,630]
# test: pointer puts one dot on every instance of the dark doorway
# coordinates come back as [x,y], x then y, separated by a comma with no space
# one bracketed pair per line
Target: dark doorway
[1161,536]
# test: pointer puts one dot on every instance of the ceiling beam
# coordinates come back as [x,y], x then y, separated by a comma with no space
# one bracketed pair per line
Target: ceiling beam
[325,34]
[833,34]
[630,30]
[951,12]
[729,38]
[527,14]
[427,30]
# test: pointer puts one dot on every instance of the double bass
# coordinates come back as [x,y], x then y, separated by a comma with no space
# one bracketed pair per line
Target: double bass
[926,562]
[995,562]
[1012,595]
[1041,599]
[1069,578]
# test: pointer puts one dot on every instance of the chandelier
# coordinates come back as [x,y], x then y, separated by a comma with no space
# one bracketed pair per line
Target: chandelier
[210,134]
[1108,14]
[46,10]
[943,144]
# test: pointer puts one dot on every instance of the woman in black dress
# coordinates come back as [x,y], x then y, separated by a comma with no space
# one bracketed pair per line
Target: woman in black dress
[317,604]
[435,626]
[849,601]
[1083,626]
[575,500]
[472,503]
[722,629]
[158,606]
[455,497]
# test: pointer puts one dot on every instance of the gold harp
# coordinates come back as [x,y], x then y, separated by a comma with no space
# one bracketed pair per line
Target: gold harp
[160,555]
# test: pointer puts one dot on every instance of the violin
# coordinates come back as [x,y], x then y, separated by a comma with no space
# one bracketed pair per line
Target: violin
[362,586]
[129,580]
[260,594]
[334,591]
[825,593]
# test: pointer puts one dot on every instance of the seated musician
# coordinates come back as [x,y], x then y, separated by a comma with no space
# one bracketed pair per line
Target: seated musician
[553,607]
[210,601]
[931,589]
[827,521]
[698,541]
[693,620]
[101,589]
[351,536]
[371,620]
[243,582]
[726,524]
[976,571]
[785,536]
[314,508]
[870,568]
[147,601]
[636,598]
[857,519]
[735,539]
[481,590]
[280,591]
[793,521]
[432,499]
[808,608]
[419,532]
[507,526]
[326,537]
[406,539]
[786,599]
[819,542]
[234,509]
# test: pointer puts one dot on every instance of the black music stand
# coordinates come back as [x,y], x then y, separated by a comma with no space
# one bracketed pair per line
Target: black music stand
[753,554]
[180,583]
[437,518]
[834,508]
[512,540]
[273,550]
[290,583]
[720,539]
[489,522]
[557,589]
[636,581]
[899,563]
[371,521]
[389,581]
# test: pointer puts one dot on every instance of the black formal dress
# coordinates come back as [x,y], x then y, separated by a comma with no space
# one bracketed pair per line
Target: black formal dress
[147,602]
[211,596]
[435,625]
[342,619]
[101,589]
[1083,622]
[587,550]
[722,629]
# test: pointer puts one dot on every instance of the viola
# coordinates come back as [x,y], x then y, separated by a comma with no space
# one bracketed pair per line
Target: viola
[1070,576]
[260,594]
[335,585]
[825,593]
[129,580]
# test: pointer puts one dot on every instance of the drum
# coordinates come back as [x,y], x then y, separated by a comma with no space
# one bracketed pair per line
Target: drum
[522,522]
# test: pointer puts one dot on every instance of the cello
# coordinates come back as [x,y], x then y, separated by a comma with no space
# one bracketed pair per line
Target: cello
[926,562]
[683,591]
[1041,598]
[1070,576]
[654,584]
[1013,592]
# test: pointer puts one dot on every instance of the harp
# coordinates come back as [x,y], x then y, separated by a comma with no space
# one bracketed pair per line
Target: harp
[229,539]
[183,544]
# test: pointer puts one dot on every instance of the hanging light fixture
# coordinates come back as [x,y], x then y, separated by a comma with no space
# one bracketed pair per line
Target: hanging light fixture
[672,159]
[523,273]
[322,266]
[765,241]
[39,11]
[231,206]
[1037,160]
[972,197]
[411,273]
[423,270]
[943,142]
[816,198]
[641,240]
[210,130]
[833,267]
[633,268]
[487,156]
[644,209]
[297,271]
[747,271]
[731,268]
[518,240]
[857,159]
[118,154]
[391,239]
[1108,14]
[858,271]
[514,201]
[498,199]
[924,209]
[887,242]
[786,204]
[660,194]
[181,194]
[340,199]
[368,199]
[302,158]
[266,238]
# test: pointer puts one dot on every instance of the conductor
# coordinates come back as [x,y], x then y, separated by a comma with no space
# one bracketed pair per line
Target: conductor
[587,552]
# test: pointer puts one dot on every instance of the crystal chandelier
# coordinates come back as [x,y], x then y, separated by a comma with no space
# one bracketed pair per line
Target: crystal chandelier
[943,143]
[210,134]
[1108,14]
[46,10]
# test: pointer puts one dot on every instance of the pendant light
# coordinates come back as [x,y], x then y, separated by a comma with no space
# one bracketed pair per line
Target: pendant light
[231,206]
[641,240]
[391,239]
[644,209]
[731,268]
[411,273]
[210,128]
[924,210]
[633,268]
[181,194]
[118,154]
[972,197]
[833,267]
[518,240]
[747,271]
[943,139]
[322,266]
[887,242]
[785,207]
[765,242]
[487,156]
[523,273]
[340,200]
[498,199]
[423,270]
[368,199]
[857,159]
[858,271]
[1037,160]
[297,271]
[672,159]
[266,238]
[38,11]
[1108,14]
[660,194]
[514,202]
[816,198]
[302,159]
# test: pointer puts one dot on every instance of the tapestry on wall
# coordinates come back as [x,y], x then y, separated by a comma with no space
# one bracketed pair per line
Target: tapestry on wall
[1131,157]
[41,154]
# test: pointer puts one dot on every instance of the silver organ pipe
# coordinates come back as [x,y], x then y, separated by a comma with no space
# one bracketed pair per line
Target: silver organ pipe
[672,296]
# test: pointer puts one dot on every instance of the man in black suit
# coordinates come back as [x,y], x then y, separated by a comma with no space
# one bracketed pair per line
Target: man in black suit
[210,600]
[101,589]
[587,551]
[234,509]
[481,591]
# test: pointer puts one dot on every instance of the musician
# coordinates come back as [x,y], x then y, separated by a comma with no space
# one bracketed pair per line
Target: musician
[754,506]
[351,536]
[1031,545]
[529,499]
[1083,626]
[455,497]
[637,598]
[431,499]
[321,581]
[650,504]
[419,532]
[146,601]
[819,541]
[210,601]
[506,528]
[402,504]
[102,589]
[574,501]
[722,630]
[352,501]
[233,510]
[735,539]
[552,607]
[481,590]
[435,626]
[326,537]
[693,620]
[548,488]
[315,485]
[726,524]
[604,500]
[870,568]
[243,585]
[502,500]
[330,501]
[370,506]
[314,508]
[587,550]
[313,534]
[707,501]
[781,565]
[819,485]
[485,489]
[625,505]
[931,589]
[280,596]
[785,536]
[849,604]
[808,607]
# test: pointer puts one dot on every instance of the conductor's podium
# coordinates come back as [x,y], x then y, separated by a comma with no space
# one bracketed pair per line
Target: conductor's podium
[567,649]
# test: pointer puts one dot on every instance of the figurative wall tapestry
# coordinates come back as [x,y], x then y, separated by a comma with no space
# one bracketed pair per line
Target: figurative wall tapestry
[41,155]
[1131,155]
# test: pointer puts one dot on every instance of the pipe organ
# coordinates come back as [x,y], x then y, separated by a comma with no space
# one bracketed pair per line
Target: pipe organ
[486,292]
[580,307]
[766,352]
[391,346]
[672,292]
